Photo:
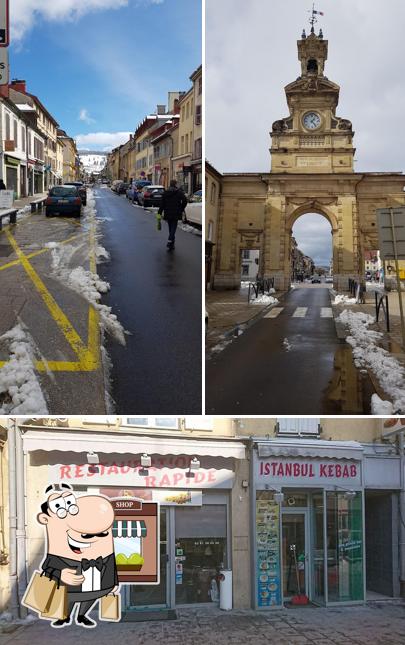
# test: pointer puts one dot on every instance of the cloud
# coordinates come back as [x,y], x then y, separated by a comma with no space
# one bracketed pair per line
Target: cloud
[104,140]
[84,116]
[313,236]
[26,13]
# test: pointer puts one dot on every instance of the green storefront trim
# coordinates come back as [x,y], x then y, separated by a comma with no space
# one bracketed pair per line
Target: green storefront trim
[11,161]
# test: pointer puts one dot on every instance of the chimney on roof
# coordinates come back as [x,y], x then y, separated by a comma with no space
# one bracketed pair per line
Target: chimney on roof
[18,85]
[160,109]
[176,107]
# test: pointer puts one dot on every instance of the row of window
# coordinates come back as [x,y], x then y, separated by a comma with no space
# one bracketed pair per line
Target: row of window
[294,427]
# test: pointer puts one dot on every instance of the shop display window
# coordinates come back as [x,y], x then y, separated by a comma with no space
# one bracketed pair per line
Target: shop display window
[345,547]
[200,552]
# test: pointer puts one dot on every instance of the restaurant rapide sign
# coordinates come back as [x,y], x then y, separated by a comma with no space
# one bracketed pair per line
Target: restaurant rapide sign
[165,472]
[308,472]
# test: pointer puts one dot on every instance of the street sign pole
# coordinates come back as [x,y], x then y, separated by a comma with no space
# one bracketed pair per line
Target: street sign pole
[401,310]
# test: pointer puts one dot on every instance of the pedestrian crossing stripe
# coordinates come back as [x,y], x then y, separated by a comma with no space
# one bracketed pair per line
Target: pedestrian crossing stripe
[326,312]
[300,312]
[273,313]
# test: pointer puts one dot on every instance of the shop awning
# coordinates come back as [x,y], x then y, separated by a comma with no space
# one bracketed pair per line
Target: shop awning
[310,448]
[66,441]
[129,528]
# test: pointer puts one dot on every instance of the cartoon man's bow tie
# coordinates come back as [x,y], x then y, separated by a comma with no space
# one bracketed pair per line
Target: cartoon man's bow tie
[98,563]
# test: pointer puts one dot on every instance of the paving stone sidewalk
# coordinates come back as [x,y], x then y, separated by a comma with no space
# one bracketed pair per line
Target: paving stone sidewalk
[228,310]
[373,624]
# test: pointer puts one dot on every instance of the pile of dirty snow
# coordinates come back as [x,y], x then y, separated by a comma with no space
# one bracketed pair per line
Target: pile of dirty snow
[367,354]
[20,391]
[341,299]
[264,300]
[6,618]
[88,285]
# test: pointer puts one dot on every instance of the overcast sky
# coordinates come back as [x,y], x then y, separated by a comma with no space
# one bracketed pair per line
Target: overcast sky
[251,54]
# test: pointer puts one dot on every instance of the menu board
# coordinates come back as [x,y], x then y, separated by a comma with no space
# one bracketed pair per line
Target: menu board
[268,553]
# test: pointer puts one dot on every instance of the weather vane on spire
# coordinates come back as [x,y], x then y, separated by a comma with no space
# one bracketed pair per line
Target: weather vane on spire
[312,19]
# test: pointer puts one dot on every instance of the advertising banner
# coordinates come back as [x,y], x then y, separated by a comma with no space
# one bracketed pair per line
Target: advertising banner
[268,553]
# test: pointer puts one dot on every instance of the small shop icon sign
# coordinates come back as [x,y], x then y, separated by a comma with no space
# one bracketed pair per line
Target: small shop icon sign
[136,540]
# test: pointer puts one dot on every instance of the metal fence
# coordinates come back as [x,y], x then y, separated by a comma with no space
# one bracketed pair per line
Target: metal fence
[261,285]
[357,290]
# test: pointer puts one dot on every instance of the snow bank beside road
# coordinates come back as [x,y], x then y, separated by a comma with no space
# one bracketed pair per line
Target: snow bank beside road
[264,300]
[340,299]
[20,391]
[367,354]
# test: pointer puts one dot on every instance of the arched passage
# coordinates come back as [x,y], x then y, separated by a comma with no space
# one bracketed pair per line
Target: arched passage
[311,248]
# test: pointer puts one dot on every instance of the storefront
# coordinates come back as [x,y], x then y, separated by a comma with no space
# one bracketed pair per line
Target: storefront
[308,523]
[189,480]
[12,174]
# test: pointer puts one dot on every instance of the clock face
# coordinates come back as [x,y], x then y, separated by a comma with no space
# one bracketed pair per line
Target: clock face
[311,120]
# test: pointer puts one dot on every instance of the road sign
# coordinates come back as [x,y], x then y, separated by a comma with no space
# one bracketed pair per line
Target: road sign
[3,66]
[391,232]
[4,24]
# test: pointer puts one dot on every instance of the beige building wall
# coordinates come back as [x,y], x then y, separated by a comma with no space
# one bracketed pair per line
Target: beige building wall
[4,519]
[182,158]
[213,185]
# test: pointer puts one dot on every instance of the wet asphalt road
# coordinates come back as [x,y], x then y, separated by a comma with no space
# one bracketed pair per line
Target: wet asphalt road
[156,295]
[280,365]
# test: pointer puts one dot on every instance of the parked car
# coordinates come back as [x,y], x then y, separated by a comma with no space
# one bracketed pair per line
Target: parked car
[122,188]
[62,200]
[193,211]
[329,279]
[81,188]
[115,184]
[150,195]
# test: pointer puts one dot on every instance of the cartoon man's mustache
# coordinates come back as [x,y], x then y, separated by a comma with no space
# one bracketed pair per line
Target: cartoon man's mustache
[87,536]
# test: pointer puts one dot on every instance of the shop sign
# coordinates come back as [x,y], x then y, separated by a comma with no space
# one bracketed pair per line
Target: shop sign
[6,198]
[163,496]
[136,540]
[4,67]
[268,553]
[4,23]
[285,471]
[166,472]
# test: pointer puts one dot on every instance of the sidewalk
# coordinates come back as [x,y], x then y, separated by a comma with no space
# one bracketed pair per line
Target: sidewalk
[26,201]
[378,623]
[228,311]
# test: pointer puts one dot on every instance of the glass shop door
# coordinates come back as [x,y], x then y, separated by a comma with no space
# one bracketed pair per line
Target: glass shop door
[295,550]
[154,596]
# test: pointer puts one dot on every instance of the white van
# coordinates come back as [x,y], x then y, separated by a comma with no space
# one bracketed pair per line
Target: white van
[193,212]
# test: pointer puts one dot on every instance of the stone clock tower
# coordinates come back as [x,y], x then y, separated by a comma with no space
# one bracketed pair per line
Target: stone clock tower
[312,157]
[312,138]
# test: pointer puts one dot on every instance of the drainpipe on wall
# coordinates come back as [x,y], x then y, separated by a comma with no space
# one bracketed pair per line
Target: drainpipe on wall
[21,532]
[401,444]
[14,605]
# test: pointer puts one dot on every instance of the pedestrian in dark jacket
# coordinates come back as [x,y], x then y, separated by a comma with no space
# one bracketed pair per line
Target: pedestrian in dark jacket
[172,206]
[2,185]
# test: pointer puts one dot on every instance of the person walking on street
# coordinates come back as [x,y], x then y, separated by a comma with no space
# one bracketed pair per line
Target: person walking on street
[172,206]
[2,185]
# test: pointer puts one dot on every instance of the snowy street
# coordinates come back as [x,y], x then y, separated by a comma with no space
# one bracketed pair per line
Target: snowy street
[63,300]
[290,361]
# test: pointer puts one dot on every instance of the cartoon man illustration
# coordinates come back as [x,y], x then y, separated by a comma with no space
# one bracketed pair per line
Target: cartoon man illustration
[80,549]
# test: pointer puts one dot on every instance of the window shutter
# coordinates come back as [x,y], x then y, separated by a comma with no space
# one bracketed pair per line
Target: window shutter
[299,427]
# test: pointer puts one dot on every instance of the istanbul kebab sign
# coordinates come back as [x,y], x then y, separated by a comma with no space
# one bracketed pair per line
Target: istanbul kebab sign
[304,472]
[165,472]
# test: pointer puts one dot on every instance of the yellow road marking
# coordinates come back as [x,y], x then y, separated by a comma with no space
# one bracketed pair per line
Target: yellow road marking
[35,253]
[57,314]
[89,357]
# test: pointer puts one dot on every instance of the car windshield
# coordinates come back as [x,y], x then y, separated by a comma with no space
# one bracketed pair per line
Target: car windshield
[63,191]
